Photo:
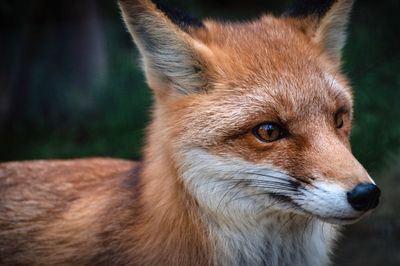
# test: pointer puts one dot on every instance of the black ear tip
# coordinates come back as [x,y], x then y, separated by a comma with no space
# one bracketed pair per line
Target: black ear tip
[304,8]
[177,16]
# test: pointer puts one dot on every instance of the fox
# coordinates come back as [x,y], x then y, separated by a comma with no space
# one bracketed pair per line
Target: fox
[247,158]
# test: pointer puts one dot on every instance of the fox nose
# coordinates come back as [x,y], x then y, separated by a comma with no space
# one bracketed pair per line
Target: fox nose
[364,197]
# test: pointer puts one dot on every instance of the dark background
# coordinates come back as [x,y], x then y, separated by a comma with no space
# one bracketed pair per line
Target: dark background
[71,86]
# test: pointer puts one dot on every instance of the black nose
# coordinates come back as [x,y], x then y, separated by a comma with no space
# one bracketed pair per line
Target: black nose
[364,197]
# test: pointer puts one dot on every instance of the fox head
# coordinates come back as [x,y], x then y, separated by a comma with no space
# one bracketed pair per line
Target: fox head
[255,117]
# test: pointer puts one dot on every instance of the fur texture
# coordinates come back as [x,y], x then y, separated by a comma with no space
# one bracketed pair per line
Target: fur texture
[209,191]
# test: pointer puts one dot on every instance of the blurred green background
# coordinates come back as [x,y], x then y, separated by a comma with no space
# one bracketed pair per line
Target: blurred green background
[71,86]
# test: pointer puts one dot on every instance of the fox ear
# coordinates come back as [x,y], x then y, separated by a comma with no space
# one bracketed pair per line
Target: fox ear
[172,58]
[326,21]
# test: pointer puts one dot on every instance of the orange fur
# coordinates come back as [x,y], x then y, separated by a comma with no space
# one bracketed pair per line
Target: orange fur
[212,86]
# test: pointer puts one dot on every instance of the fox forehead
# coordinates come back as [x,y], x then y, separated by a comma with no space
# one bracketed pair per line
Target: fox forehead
[270,58]
[264,51]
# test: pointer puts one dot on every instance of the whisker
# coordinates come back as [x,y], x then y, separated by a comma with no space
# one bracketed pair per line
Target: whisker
[226,193]
[276,202]
[254,183]
[252,195]
[290,218]
[258,173]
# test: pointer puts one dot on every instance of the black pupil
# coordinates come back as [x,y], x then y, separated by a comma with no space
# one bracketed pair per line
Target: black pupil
[339,122]
[270,129]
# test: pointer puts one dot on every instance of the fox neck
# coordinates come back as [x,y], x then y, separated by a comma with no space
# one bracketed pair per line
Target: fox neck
[276,239]
[170,231]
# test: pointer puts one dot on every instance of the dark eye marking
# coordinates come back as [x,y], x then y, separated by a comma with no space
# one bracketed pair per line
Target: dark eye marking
[339,117]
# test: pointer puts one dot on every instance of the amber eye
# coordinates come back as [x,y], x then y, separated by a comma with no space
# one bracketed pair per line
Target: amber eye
[269,132]
[339,122]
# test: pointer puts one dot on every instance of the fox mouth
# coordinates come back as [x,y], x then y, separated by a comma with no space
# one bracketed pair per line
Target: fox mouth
[336,219]
[340,220]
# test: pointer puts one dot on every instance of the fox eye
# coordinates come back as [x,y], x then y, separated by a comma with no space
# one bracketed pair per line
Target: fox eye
[269,132]
[339,122]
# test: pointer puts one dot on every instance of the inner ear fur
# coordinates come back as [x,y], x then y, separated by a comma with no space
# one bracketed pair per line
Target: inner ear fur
[172,58]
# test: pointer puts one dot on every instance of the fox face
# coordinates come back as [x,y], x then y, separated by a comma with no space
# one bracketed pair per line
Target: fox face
[255,117]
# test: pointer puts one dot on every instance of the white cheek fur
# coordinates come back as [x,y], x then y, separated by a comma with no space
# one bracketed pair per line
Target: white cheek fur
[219,184]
